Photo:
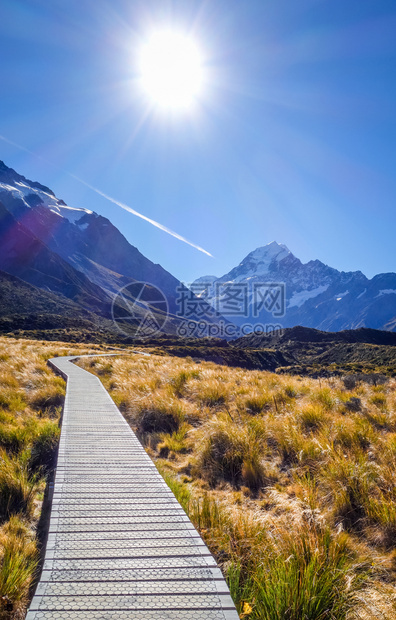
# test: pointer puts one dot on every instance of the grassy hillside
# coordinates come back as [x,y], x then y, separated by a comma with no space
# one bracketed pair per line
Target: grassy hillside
[290,480]
[31,398]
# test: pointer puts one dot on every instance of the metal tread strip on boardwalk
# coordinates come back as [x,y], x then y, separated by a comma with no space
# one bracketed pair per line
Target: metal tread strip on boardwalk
[119,545]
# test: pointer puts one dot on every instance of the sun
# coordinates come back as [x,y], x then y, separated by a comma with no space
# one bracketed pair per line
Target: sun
[171,69]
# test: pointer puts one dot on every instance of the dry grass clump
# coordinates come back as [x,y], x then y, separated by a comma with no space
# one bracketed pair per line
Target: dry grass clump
[350,482]
[11,399]
[352,434]
[18,487]
[213,393]
[324,397]
[311,418]
[291,480]
[48,398]
[180,380]
[379,400]
[18,562]
[231,454]
[158,415]
[175,442]
[44,446]
[255,402]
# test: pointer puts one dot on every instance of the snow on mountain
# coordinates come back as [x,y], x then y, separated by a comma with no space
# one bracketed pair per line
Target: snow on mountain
[270,286]
[84,239]
[298,299]
[339,296]
[274,262]
[16,189]
[261,261]
[264,256]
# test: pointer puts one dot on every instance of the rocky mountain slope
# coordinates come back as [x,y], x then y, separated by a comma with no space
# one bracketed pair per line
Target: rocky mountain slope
[23,255]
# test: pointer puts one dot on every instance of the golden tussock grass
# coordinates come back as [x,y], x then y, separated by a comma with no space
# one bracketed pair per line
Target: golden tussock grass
[290,480]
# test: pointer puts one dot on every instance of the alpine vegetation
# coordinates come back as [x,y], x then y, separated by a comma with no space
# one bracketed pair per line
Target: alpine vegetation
[290,480]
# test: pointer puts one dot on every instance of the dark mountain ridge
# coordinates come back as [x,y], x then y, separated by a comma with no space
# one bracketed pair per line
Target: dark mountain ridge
[306,335]
[317,353]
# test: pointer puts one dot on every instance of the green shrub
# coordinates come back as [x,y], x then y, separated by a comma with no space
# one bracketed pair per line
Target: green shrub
[350,381]
[353,404]
[242,587]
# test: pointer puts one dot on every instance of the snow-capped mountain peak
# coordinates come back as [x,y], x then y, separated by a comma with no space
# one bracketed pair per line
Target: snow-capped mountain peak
[267,253]
[260,263]
[271,251]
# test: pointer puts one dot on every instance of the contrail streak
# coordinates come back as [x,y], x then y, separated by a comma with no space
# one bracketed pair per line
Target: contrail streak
[143,217]
[114,201]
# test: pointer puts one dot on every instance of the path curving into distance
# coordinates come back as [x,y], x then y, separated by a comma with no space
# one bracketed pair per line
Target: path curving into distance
[119,545]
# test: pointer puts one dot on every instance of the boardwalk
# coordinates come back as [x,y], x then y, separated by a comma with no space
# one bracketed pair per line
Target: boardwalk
[119,545]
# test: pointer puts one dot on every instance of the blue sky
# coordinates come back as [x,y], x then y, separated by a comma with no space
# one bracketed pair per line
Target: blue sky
[293,139]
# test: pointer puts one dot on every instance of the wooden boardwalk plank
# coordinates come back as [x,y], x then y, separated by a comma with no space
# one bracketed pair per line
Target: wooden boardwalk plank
[119,546]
